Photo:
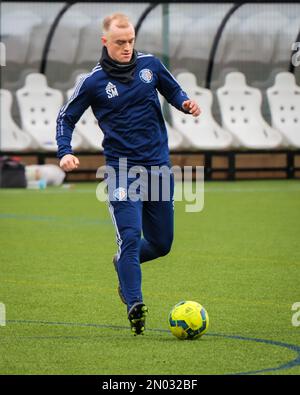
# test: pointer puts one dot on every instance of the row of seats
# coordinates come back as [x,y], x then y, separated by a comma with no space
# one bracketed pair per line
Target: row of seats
[242,122]
[240,105]
[39,106]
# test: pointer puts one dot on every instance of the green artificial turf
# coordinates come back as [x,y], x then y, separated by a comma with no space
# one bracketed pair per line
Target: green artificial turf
[239,257]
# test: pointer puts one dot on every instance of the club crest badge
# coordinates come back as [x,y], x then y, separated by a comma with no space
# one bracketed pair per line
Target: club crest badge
[120,193]
[146,75]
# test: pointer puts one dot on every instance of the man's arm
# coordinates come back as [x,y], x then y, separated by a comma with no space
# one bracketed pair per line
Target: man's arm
[171,90]
[67,118]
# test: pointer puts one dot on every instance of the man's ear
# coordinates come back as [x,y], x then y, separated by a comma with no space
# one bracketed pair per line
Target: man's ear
[104,40]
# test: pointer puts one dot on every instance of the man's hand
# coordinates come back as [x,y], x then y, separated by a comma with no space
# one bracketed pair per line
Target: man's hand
[192,107]
[69,162]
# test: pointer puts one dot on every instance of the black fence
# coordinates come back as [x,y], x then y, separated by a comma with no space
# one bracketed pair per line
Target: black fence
[218,165]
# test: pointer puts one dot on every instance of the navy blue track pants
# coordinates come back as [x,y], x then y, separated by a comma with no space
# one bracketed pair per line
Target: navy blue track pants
[144,231]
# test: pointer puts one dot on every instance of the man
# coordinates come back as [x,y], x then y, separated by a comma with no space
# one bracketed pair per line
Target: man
[122,92]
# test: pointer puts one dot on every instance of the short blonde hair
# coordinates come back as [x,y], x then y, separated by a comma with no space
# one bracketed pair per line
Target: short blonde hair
[122,21]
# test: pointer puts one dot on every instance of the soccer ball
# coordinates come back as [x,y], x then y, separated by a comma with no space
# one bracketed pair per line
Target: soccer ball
[188,320]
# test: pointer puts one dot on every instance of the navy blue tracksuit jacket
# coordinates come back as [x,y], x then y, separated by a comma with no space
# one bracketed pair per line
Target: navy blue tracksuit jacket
[129,114]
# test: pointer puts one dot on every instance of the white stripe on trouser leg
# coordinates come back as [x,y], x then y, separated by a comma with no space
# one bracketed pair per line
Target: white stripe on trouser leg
[118,237]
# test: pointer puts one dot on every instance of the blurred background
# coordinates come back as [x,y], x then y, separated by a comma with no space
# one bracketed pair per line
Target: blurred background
[61,41]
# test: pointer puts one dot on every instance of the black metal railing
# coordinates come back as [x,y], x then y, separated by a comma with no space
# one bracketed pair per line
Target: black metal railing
[287,169]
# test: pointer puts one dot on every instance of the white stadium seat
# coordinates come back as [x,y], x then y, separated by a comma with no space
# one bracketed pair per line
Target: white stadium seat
[39,106]
[12,138]
[202,132]
[175,138]
[87,127]
[187,80]
[284,102]
[240,107]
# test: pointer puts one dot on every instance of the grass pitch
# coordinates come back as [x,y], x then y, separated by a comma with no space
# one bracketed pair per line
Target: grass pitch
[239,257]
